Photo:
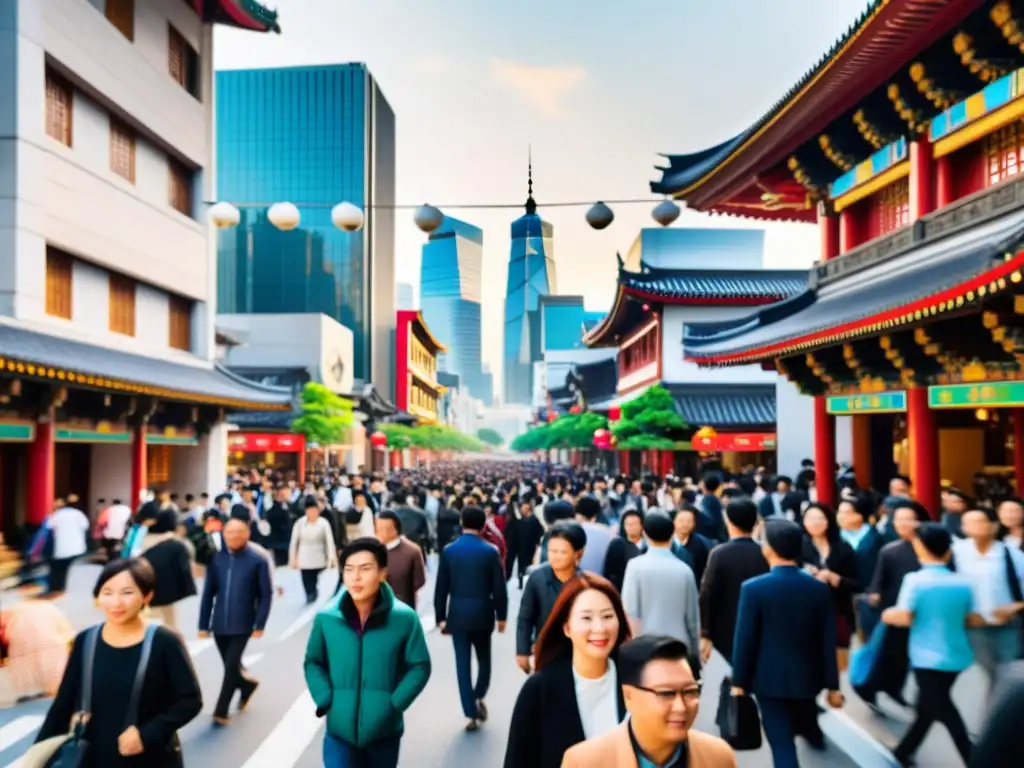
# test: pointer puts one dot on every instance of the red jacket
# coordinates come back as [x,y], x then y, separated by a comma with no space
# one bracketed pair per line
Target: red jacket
[492,535]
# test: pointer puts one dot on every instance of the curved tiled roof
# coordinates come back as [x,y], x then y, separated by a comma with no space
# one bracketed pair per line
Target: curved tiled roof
[711,284]
[725,405]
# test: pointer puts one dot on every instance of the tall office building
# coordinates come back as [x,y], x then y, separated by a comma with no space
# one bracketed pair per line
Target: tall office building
[314,136]
[450,292]
[531,274]
[406,296]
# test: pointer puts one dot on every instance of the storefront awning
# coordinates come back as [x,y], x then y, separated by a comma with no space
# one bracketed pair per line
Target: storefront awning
[913,283]
[33,354]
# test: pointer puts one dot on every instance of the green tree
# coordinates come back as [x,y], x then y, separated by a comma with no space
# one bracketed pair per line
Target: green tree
[490,436]
[649,421]
[534,439]
[431,437]
[571,430]
[325,417]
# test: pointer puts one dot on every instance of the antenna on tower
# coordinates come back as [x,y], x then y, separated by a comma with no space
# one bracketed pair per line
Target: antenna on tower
[531,204]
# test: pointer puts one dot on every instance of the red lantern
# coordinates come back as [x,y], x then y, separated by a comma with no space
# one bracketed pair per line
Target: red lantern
[615,413]
[378,439]
[552,416]
[575,409]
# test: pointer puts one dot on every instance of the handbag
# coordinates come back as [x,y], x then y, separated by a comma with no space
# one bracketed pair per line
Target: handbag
[864,663]
[738,718]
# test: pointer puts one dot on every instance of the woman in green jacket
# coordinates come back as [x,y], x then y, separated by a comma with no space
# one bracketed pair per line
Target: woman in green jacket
[366,662]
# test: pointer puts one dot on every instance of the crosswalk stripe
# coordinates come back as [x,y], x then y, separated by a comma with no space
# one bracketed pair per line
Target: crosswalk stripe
[290,737]
[304,618]
[18,729]
[195,647]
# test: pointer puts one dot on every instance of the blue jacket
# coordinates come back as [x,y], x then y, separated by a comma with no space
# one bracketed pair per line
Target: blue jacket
[236,593]
[785,641]
[470,591]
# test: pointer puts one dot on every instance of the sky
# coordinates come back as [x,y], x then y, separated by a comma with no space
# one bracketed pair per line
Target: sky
[596,88]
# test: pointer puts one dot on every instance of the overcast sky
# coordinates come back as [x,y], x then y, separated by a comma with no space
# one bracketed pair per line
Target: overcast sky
[597,88]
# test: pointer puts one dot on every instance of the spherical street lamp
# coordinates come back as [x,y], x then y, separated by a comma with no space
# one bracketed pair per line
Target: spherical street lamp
[284,216]
[665,212]
[347,217]
[600,216]
[427,218]
[225,215]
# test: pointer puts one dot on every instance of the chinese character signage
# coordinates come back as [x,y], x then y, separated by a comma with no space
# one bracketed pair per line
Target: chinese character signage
[879,402]
[263,443]
[1006,394]
[725,441]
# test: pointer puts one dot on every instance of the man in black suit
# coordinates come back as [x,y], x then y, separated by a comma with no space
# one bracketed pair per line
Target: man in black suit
[470,594]
[415,525]
[728,566]
[784,652]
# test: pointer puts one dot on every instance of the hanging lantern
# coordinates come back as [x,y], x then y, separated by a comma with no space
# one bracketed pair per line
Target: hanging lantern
[225,215]
[552,416]
[665,213]
[284,216]
[602,439]
[615,413]
[378,440]
[575,409]
[600,216]
[706,433]
[347,217]
[427,218]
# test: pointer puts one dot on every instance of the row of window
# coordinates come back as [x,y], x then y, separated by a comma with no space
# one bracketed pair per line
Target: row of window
[60,99]
[60,268]
[183,64]
[641,352]
[420,357]
[421,398]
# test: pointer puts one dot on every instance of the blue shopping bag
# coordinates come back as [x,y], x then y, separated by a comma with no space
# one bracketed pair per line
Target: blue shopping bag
[863,660]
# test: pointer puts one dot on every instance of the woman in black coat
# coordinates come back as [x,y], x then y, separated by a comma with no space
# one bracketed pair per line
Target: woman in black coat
[168,699]
[171,558]
[624,547]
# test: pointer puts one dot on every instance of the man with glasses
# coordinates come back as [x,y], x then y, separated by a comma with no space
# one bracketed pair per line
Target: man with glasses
[663,698]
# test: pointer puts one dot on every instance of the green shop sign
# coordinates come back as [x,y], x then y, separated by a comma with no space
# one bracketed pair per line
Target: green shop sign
[171,440]
[19,433]
[1001,394]
[880,402]
[91,436]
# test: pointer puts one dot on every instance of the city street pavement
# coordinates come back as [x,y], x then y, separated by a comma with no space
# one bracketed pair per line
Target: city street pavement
[280,729]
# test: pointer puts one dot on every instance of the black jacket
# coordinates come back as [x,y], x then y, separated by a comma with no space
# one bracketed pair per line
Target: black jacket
[842,561]
[279,517]
[620,552]
[546,719]
[173,567]
[539,595]
[448,526]
[415,526]
[729,565]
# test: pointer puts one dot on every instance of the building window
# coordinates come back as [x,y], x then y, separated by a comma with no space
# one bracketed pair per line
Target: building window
[158,464]
[641,352]
[889,209]
[1003,153]
[182,62]
[121,13]
[179,180]
[180,326]
[59,269]
[59,99]
[122,150]
[122,305]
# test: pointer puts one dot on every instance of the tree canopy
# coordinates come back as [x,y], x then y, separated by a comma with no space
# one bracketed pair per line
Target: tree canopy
[571,430]
[433,437]
[325,417]
[649,421]
[490,436]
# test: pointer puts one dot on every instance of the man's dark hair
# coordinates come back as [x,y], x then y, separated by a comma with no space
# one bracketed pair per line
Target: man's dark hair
[742,513]
[711,482]
[473,518]
[658,527]
[390,514]
[785,538]
[308,503]
[189,498]
[138,568]
[636,654]
[935,538]
[240,512]
[919,510]
[588,507]
[571,532]
[728,494]
[557,510]
[365,544]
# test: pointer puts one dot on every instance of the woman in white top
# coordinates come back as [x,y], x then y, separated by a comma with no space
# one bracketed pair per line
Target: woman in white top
[312,548]
[575,693]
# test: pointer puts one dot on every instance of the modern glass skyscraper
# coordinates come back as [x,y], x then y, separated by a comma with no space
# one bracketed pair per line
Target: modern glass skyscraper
[314,136]
[450,292]
[531,274]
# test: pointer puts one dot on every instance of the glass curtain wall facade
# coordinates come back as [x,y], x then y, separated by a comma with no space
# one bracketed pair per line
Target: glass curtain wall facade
[531,274]
[450,293]
[314,136]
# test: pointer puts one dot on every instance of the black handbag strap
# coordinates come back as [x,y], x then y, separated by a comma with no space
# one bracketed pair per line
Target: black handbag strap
[1012,577]
[140,677]
[89,660]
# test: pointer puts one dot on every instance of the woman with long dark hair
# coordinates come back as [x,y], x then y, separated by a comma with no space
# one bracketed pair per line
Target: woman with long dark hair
[575,693]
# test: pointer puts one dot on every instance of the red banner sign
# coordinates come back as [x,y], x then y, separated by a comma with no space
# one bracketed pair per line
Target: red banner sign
[248,442]
[739,441]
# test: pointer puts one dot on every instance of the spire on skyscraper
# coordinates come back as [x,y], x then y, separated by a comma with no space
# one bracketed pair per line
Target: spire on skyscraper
[531,204]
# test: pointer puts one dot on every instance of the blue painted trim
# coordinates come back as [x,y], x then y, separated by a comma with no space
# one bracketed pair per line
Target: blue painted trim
[993,96]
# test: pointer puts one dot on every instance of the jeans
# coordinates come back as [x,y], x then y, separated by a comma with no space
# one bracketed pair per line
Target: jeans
[379,754]
[310,579]
[783,721]
[231,648]
[935,705]
[994,647]
[465,644]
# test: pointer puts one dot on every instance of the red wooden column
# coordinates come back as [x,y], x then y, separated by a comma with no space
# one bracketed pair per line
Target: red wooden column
[828,225]
[824,452]
[39,490]
[923,437]
[944,194]
[922,189]
[140,465]
[1018,449]
[623,462]
[668,463]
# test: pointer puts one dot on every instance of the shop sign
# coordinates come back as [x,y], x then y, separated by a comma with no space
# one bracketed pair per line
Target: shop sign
[103,432]
[879,402]
[171,436]
[16,433]
[247,442]
[998,394]
[737,441]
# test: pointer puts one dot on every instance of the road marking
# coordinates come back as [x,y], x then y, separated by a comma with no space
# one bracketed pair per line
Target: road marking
[304,618]
[18,729]
[290,737]
[251,659]
[854,741]
[195,647]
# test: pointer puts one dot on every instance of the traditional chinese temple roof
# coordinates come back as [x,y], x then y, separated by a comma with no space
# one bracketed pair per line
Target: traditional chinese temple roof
[419,326]
[599,380]
[901,63]
[725,405]
[75,363]
[244,14]
[857,294]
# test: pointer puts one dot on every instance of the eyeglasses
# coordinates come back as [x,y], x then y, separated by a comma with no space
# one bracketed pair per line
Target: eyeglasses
[667,696]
